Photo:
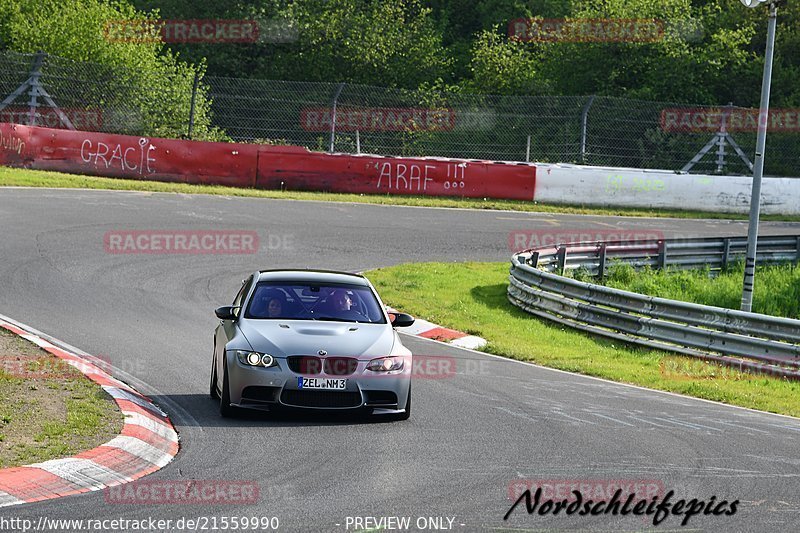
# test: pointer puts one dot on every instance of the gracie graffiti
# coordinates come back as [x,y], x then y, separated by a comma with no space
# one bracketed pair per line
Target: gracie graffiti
[126,158]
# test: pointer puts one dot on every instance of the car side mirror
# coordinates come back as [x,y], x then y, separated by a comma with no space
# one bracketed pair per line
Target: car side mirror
[402,320]
[226,312]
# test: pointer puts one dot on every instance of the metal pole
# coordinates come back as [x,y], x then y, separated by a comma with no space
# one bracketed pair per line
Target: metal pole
[528,151]
[358,143]
[758,167]
[584,127]
[36,73]
[333,115]
[721,137]
[194,99]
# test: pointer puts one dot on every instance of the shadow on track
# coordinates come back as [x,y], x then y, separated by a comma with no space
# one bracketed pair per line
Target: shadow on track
[205,412]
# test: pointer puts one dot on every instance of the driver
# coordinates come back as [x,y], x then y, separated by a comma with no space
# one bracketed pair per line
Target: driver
[342,302]
[341,305]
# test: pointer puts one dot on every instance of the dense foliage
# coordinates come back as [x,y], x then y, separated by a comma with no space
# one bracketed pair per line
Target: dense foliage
[711,50]
[143,84]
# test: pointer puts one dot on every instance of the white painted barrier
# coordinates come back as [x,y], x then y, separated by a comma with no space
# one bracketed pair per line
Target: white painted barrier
[630,187]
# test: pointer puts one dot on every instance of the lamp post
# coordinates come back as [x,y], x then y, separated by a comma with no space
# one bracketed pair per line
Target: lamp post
[758,165]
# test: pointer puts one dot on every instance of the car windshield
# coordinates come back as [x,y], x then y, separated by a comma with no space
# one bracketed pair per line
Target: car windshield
[328,302]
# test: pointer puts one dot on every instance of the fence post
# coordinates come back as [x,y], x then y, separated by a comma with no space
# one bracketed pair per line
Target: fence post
[528,150]
[358,143]
[194,99]
[584,127]
[36,73]
[333,116]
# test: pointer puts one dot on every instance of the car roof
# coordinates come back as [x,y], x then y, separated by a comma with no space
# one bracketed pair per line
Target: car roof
[312,276]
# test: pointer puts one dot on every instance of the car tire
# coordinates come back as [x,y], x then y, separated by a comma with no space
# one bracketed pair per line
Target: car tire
[213,392]
[225,408]
[405,415]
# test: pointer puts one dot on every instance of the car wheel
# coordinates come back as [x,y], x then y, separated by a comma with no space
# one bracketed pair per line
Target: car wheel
[225,408]
[213,392]
[407,413]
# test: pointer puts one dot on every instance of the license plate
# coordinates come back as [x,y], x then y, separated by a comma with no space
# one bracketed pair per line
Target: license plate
[321,383]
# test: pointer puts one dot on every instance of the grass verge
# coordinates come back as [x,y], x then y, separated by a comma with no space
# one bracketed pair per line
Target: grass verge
[37,178]
[48,409]
[777,286]
[471,297]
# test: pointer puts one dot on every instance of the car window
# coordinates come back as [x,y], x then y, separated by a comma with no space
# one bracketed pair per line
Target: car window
[332,302]
[237,302]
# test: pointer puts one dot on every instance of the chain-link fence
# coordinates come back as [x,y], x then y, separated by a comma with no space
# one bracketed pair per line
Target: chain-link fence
[592,130]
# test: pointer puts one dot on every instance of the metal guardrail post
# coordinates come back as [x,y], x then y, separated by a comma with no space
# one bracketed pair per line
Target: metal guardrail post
[562,259]
[533,260]
[726,253]
[601,263]
[662,254]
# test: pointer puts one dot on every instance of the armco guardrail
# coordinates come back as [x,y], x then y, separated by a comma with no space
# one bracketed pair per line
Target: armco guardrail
[749,341]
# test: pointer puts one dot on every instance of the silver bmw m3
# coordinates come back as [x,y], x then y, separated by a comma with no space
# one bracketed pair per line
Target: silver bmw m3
[310,339]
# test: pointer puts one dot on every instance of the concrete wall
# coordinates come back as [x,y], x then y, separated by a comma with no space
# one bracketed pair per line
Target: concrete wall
[628,187]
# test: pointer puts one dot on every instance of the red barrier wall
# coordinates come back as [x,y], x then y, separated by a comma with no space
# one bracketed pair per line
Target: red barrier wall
[264,167]
[394,175]
[14,145]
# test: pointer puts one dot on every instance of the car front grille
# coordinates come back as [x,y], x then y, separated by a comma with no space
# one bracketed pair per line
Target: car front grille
[314,398]
[309,365]
[340,366]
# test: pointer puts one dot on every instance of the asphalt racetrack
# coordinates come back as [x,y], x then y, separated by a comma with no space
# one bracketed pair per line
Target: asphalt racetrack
[471,436]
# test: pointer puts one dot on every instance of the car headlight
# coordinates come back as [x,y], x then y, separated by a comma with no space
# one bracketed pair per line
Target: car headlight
[255,358]
[386,364]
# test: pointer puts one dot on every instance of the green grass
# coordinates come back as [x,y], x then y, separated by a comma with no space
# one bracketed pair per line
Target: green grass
[777,290]
[36,178]
[48,410]
[471,297]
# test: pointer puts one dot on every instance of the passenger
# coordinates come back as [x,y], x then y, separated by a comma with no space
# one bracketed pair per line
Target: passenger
[274,308]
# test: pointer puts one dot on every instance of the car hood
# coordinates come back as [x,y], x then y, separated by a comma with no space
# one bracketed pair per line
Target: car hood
[282,338]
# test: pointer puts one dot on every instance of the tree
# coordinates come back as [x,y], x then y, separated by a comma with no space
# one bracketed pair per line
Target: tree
[141,86]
